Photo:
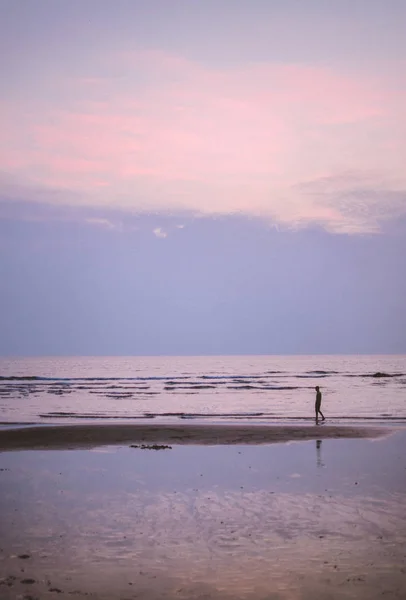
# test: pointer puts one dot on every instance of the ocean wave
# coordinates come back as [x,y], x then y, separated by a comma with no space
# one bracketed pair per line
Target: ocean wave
[195,386]
[263,416]
[102,379]
[320,372]
[262,387]
[219,379]
[309,376]
[376,375]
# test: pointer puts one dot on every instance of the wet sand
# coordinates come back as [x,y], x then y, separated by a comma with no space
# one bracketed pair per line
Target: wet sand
[93,435]
[323,518]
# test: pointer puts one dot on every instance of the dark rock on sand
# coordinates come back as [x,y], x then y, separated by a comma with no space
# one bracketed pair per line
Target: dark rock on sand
[9,580]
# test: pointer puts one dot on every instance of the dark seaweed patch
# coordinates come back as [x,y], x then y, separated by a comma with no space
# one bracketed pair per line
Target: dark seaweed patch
[151,446]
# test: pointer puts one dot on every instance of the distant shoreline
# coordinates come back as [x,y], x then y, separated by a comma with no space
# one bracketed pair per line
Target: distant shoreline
[59,437]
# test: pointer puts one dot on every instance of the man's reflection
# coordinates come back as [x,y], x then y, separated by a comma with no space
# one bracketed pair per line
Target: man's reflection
[318,454]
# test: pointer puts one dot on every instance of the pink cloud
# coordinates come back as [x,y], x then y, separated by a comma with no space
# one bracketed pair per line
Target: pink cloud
[236,139]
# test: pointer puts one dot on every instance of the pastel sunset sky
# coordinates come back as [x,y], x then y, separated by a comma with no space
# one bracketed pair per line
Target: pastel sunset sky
[209,176]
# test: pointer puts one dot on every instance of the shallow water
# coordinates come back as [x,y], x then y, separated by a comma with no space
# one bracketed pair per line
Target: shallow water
[257,388]
[288,521]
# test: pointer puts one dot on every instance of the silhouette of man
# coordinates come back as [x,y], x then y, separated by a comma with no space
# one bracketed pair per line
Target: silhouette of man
[318,405]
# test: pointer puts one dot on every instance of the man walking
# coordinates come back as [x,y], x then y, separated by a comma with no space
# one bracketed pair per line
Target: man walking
[318,405]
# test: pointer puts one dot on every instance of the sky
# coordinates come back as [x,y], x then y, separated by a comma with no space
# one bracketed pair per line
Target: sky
[202,177]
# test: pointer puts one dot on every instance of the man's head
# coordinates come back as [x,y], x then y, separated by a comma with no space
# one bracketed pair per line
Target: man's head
[317,388]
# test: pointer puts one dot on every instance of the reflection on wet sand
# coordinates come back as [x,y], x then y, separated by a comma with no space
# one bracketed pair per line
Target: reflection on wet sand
[318,453]
[114,525]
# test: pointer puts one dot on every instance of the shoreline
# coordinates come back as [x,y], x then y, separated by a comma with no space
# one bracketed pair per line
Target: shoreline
[62,437]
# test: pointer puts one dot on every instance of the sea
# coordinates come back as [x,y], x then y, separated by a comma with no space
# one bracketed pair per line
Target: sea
[258,389]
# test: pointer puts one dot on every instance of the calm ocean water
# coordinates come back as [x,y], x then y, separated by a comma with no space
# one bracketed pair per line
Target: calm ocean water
[223,388]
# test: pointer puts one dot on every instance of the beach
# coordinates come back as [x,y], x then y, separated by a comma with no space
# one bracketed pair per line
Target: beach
[198,511]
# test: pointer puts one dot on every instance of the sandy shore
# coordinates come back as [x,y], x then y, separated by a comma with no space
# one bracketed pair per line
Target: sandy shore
[92,435]
[317,519]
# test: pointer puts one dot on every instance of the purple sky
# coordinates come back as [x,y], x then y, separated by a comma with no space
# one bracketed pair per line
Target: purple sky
[184,177]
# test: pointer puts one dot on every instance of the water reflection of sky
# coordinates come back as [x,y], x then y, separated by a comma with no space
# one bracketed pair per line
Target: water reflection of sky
[234,517]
